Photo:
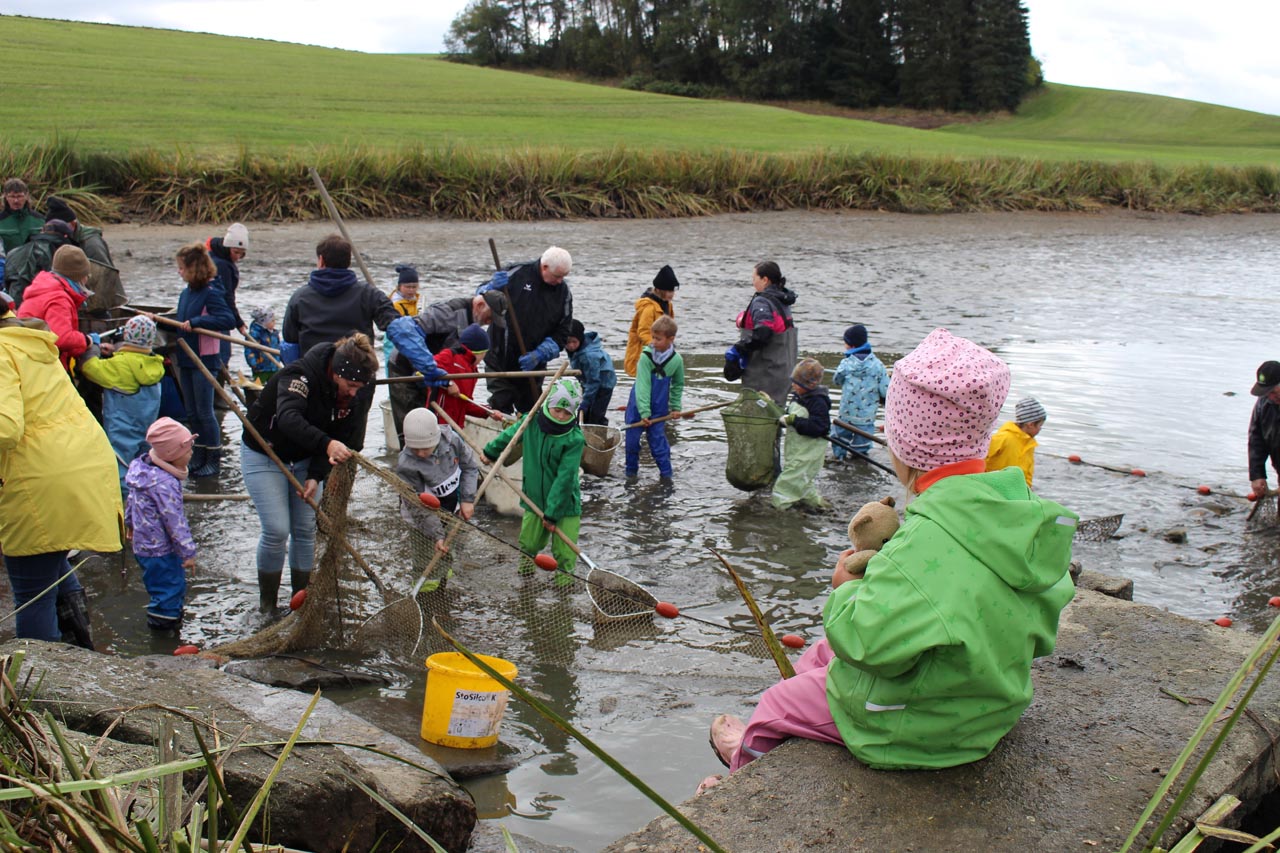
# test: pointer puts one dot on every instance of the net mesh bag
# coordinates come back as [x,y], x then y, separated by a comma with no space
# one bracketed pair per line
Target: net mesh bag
[379,591]
[751,430]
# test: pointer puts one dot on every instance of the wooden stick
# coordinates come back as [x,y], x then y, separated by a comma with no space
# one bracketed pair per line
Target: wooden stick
[511,484]
[293,481]
[511,317]
[209,333]
[342,226]
[198,498]
[858,453]
[653,421]
[853,429]
[495,374]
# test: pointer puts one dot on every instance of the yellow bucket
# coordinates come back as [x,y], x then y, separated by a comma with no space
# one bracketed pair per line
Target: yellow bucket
[463,706]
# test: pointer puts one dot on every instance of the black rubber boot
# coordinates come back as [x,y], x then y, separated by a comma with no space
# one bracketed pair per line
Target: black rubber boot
[73,619]
[298,579]
[268,592]
[210,466]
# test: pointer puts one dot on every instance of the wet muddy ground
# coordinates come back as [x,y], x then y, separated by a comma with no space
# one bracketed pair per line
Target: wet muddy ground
[1139,334]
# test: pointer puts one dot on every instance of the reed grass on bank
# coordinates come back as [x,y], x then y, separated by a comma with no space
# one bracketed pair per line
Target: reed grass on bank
[530,184]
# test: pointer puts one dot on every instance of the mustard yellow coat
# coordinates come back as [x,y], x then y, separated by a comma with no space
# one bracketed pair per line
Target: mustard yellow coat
[1010,446]
[60,486]
[641,333]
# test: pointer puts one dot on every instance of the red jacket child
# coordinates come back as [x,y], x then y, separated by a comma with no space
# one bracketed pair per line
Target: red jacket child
[473,342]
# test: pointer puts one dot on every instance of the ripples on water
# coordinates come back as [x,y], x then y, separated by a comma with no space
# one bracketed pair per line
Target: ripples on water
[1139,335]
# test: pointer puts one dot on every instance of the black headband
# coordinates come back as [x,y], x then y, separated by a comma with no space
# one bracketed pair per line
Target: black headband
[348,369]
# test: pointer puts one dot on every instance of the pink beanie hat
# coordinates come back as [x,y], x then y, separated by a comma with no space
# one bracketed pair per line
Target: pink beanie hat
[942,401]
[169,440]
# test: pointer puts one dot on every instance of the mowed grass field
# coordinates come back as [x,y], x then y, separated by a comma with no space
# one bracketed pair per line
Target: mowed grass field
[116,90]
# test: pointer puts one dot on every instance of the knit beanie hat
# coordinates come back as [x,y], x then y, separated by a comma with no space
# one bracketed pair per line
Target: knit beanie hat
[237,237]
[665,279]
[169,440]
[577,330]
[566,393]
[421,429]
[70,262]
[56,208]
[1029,411]
[59,227]
[140,332]
[408,274]
[855,336]
[807,374]
[474,338]
[943,398]
[262,315]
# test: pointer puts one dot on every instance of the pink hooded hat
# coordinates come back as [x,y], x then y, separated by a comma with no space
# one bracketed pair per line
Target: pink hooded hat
[169,440]
[943,398]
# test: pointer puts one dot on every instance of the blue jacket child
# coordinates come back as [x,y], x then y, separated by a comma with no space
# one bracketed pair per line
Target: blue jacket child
[598,379]
[864,383]
[658,391]
[263,331]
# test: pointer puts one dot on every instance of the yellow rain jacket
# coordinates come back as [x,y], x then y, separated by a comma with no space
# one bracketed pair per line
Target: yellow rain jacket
[648,309]
[58,485]
[1010,446]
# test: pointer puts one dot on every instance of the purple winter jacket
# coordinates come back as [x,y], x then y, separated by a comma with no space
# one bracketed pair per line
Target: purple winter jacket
[154,511]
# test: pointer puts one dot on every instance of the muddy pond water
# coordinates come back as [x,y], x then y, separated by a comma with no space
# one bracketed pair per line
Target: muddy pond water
[1139,334]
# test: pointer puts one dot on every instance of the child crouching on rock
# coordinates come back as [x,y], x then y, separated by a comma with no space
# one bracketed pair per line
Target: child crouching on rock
[806,422]
[435,459]
[162,542]
[552,456]
[927,657]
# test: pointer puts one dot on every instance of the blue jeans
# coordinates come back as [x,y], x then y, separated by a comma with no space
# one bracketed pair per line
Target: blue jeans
[166,582]
[29,576]
[288,524]
[197,394]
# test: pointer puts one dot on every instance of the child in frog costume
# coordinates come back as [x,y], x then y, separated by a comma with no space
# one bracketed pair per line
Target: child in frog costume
[552,456]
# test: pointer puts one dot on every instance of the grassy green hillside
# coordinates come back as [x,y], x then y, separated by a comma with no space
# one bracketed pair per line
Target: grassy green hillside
[118,89]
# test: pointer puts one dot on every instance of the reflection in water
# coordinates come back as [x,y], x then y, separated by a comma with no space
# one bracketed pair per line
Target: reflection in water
[1138,334]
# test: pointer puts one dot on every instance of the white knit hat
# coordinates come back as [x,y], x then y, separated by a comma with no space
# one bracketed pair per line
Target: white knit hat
[237,237]
[421,429]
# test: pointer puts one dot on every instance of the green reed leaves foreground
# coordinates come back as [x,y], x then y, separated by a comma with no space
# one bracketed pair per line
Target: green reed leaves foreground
[530,184]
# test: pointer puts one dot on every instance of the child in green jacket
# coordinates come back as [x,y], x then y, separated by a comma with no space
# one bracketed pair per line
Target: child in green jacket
[927,657]
[552,456]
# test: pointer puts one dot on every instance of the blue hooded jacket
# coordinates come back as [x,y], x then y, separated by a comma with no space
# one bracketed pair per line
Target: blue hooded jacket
[596,366]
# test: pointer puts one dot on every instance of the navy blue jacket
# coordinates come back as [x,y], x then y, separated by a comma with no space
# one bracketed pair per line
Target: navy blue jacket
[193,305]
[332,305]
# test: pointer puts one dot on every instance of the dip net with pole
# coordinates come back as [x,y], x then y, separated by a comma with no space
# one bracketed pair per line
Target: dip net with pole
[486,594]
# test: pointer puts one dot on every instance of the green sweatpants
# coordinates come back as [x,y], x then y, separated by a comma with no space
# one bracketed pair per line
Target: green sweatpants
[533,538]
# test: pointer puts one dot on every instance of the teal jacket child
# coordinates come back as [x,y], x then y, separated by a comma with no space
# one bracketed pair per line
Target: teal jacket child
[552,479]
[934,646]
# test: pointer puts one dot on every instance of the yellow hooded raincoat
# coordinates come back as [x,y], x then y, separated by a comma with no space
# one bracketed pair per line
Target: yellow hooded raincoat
[58,485]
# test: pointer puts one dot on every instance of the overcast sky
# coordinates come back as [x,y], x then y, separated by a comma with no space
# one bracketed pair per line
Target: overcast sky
[1222,52]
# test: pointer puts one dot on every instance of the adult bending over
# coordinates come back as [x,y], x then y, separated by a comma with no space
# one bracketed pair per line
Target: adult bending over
[313,414]
[767,347]
[927,657]
[60,487]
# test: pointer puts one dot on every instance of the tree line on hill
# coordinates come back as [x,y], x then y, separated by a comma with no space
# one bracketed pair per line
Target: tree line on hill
[970,55]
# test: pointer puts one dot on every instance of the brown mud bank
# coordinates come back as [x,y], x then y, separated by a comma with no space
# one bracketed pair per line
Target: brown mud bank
[538,184]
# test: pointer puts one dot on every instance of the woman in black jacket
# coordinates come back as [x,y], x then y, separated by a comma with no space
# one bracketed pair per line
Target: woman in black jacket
[313,414]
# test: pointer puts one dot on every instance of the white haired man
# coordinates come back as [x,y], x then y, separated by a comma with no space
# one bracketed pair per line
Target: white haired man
[539,307]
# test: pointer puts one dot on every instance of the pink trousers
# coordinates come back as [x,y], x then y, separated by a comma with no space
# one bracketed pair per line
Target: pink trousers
[795,707]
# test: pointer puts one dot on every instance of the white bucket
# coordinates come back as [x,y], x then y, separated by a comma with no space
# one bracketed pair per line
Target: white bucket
[499,495]
[389,436]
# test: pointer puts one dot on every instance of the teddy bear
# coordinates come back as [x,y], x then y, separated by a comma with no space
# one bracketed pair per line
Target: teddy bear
[869,529]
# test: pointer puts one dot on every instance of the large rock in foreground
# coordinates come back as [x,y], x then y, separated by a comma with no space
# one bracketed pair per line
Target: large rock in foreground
[1074,774]
[314,805]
